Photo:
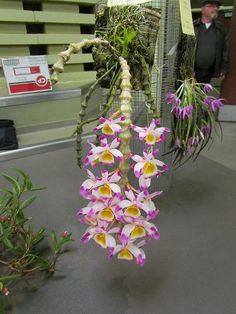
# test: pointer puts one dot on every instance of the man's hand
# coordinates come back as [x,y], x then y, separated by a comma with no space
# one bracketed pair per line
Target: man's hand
[222,76]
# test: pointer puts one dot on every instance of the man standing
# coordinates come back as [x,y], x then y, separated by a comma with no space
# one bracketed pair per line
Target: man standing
[212,51]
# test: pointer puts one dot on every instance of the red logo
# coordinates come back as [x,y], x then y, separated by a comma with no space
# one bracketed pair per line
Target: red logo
[41,81]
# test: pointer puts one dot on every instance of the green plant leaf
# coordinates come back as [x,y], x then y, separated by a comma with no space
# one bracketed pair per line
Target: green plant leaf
[14,182]
[131,36]
[120,40]
[1,229]
[8,243]
[37,189]
[27,202]
[54,236]
[27,181]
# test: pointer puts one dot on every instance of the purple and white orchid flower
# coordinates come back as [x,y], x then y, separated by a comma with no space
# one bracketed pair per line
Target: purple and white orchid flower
[110,127]
[101,236]
[104,153]
[147,165]
[147,204]
[106,209]
[130,206]
[107,184]
[152,134]
[129,252]
[138,229]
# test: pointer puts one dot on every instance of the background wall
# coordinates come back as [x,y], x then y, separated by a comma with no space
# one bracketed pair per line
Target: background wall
[46,27]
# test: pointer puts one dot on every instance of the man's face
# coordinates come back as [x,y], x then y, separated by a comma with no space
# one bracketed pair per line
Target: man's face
[210,10]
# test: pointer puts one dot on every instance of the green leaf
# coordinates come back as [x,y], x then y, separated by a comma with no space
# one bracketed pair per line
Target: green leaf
[37,189]
[120,40]
[27,181]
[8,243]
[27,202]
[131,36]
[14,182]
[1,229]
[54,236]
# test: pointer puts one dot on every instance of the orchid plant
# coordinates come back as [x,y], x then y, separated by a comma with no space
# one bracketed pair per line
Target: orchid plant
[118,214]
[193,118]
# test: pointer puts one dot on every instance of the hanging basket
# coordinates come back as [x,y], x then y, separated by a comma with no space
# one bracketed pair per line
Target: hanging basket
[118,24]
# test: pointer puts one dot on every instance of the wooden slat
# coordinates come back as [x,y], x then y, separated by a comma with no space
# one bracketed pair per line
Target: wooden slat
[45,17]
[16,16]
[11,4]
[75,59]
[77,76]
[78,58]
[65,18]
[41,39]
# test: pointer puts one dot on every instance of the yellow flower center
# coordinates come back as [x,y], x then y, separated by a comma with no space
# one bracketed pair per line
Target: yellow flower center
[106,214]
[138,232]
[105,190]
[149,168]
[150,138]
[100,238]
[132,211]
[107,157]
[107,130]
[125,254]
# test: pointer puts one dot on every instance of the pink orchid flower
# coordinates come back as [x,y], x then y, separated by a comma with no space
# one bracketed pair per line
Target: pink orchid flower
[110,126]
[129,252]
[88,185]
[107,184]
[147,204]
[144,183]
[138,229]
[147,165]
[130,206]
[101,236]
[103,209]
[104,153]
[151,135]
[104,185]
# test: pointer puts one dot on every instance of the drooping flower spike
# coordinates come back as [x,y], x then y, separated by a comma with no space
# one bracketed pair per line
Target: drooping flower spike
[117,213]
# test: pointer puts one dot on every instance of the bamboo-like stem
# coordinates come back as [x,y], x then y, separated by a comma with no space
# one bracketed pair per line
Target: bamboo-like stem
[64,56]
[58,67]
[126,110]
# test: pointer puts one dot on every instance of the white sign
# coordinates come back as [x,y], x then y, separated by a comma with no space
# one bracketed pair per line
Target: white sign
[26,74]
[186,17]
[112,3]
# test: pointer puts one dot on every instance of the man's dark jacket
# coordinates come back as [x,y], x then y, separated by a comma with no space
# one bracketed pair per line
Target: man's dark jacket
[222,46]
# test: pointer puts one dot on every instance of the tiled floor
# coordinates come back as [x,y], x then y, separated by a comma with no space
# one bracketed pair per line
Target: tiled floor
[190,270]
